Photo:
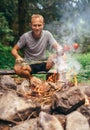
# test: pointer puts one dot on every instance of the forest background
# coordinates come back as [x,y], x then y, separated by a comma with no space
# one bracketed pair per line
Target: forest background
[68,20]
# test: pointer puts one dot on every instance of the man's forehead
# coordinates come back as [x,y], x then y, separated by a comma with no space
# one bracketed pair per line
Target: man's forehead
[38,19]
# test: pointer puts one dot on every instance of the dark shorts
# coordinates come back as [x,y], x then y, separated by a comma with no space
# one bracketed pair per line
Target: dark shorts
[38,67]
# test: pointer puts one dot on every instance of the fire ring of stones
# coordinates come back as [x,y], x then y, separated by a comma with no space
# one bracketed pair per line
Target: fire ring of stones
[43,105]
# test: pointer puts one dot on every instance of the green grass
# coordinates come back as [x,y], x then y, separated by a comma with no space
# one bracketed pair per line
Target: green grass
[6,58]
[84,74]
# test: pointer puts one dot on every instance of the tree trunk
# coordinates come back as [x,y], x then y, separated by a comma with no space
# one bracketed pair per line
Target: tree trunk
[22,15]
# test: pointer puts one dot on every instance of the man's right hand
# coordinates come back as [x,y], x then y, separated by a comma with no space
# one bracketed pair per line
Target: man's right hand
[19,60]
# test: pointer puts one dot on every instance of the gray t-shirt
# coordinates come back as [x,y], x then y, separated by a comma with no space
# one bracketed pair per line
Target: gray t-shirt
[34,50]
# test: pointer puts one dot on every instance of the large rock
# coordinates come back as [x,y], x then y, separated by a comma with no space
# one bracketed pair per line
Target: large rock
[76,121]
[24,87]
[6,82]
[85,110]
[26,125]
[67,101]
[48,122]
[13,107]
[85,89]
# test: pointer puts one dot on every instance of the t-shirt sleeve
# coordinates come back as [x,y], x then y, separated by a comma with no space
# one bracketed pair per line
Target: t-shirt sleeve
[51,39]
[22,41]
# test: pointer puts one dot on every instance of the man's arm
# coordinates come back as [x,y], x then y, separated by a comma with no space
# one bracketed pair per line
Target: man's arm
[58,49]
[15,53]
[21,68]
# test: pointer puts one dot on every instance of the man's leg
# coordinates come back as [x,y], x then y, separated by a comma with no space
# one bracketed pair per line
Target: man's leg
[23,70]
[50,62]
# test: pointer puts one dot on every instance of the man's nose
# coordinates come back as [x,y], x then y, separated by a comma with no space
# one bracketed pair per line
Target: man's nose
[37,27]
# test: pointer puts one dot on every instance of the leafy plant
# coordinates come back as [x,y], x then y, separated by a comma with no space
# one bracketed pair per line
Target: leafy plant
[6,58]
[84,60]
[5,32]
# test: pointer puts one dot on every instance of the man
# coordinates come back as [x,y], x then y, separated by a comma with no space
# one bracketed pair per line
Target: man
[34,43]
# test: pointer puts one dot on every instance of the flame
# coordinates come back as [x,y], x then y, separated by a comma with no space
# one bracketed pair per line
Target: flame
[53,77]
[62,77]
[75,80]
[40,91]
[69,75]
[86,101]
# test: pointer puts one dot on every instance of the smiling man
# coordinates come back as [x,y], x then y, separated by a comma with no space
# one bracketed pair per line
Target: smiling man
[34,43]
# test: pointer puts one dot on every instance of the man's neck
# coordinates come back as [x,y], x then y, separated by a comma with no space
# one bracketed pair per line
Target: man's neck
[36,37]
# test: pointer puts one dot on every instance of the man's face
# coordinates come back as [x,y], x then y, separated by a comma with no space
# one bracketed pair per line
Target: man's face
[37,25]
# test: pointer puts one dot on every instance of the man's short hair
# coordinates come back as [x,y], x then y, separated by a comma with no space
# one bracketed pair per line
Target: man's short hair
[37,16]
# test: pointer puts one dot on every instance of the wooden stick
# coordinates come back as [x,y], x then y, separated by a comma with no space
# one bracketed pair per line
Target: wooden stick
[7,72]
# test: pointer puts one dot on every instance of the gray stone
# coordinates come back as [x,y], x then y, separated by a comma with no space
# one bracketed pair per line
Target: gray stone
[13,107]
[46,108]
[7,82]
[85,110]
[26,125]
[76,121]
[85,89]
[24,87]
[49,122]
[67,101]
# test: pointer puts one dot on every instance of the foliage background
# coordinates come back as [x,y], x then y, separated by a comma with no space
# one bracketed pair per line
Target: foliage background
[68,20]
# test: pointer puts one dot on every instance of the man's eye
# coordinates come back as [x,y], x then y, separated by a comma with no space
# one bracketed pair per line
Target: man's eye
[36,25]
[39,25]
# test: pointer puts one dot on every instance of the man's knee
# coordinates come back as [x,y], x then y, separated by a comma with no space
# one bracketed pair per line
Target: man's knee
[17,69]
[49,65]
[22,70]
[26,67]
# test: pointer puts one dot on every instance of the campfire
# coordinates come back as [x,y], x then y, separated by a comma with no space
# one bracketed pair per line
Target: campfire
[24,104]
[57,103]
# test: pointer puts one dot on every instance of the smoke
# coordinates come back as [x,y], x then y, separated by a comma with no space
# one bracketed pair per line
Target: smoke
[67,67]
[74,26]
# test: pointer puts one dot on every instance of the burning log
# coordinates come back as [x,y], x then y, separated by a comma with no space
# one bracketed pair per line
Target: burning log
[53,77]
